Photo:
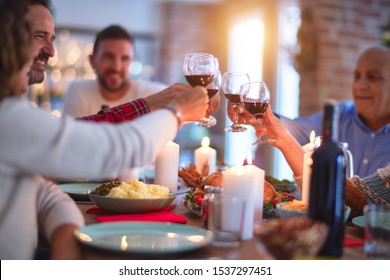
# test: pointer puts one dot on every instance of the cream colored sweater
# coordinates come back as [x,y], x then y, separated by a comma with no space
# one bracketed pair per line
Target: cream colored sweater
[35,144]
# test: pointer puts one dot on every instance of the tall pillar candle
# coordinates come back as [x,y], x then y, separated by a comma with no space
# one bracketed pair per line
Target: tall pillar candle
[307,167]
[243,182]
[205,154]
[167,166]
[307,163]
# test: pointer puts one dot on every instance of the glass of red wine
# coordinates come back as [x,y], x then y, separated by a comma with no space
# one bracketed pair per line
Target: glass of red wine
[212,90]
[231,83]
[255,99]
[201,69]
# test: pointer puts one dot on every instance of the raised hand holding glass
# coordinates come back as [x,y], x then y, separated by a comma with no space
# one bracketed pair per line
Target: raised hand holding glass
[201,69]
[231,83]
[255,99]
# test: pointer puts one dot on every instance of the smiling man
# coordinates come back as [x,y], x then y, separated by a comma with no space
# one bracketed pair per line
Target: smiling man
[371,87]
[43,35]
[364,123]
[113,53]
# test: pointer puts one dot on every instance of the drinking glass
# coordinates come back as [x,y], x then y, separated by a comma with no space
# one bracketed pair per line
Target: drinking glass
[231,83]
[212,90]
[201,69]
[255,99]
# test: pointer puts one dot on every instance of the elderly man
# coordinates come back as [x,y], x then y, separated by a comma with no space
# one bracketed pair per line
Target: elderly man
[364,123]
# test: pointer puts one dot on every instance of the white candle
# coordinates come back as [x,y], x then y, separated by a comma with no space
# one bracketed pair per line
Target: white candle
[258,187]
[167,165]
[307,166]
[246,182]
[205,154]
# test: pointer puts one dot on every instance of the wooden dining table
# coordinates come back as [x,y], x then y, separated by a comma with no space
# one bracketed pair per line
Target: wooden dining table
[246,250]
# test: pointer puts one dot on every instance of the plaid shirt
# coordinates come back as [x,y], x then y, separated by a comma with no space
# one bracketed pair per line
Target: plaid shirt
[124,112]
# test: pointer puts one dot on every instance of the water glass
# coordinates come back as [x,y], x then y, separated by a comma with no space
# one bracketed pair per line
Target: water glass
[149,173]
[377,232]
[225,219]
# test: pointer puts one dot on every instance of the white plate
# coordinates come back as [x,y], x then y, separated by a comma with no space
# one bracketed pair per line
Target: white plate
[145,238]
[78,191]
[131,205]
[359,221]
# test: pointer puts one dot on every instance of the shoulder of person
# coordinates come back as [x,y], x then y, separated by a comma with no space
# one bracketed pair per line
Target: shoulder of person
[346,108]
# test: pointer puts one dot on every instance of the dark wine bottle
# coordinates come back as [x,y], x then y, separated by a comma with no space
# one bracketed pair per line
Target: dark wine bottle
[327,184]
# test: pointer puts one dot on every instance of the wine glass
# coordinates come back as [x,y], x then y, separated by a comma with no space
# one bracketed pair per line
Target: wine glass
[255,99]
[231,83]
[201,69]
[212,90]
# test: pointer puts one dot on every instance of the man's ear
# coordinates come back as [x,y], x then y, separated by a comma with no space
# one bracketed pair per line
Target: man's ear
[91,61]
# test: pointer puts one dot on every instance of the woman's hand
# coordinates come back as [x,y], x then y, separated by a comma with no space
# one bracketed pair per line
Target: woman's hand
[284,141]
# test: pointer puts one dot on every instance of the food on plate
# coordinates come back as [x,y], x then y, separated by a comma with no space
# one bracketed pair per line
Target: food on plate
[295,205]
[197,181]
[105,188]
[294,238]
[132,189]
[272,198]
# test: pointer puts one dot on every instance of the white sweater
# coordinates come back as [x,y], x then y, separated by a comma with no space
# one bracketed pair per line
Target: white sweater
[33,143]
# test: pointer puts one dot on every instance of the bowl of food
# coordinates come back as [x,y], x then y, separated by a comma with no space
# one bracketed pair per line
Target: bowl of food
[132,196]
[290,209]
[294,208]
[295,238]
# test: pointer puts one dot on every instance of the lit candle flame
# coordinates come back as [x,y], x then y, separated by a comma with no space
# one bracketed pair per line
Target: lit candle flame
[312,137]
[124,243]
[205,142]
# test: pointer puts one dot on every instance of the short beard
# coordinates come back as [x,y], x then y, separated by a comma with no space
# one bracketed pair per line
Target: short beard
[35,77]
[111,89]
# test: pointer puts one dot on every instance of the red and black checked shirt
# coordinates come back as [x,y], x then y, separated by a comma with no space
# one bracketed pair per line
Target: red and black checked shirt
[124,112]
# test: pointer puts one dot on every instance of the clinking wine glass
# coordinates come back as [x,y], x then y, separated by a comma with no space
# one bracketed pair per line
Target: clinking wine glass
[201,69]
[231,83]
[255,99]
[212,90]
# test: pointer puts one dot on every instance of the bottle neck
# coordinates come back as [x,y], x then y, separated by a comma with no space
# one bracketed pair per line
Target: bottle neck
[330,124]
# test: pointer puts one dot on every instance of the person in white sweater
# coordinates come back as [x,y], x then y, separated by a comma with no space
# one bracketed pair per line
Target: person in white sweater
[35,145]
[113,53]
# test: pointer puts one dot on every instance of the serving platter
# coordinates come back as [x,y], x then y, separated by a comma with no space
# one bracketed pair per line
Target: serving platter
[143,238]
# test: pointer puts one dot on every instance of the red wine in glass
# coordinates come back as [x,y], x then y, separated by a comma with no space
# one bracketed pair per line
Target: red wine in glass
[211,92]
[199,80]
[234,98]
[256,108]
[255,98]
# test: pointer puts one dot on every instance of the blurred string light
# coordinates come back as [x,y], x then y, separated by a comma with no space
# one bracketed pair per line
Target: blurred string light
[135,68]
[70,74]
[64,35]
[88,49]
[73,55]
[56,75]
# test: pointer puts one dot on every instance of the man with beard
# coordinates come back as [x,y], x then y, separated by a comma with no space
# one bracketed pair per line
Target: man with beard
[113,53]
